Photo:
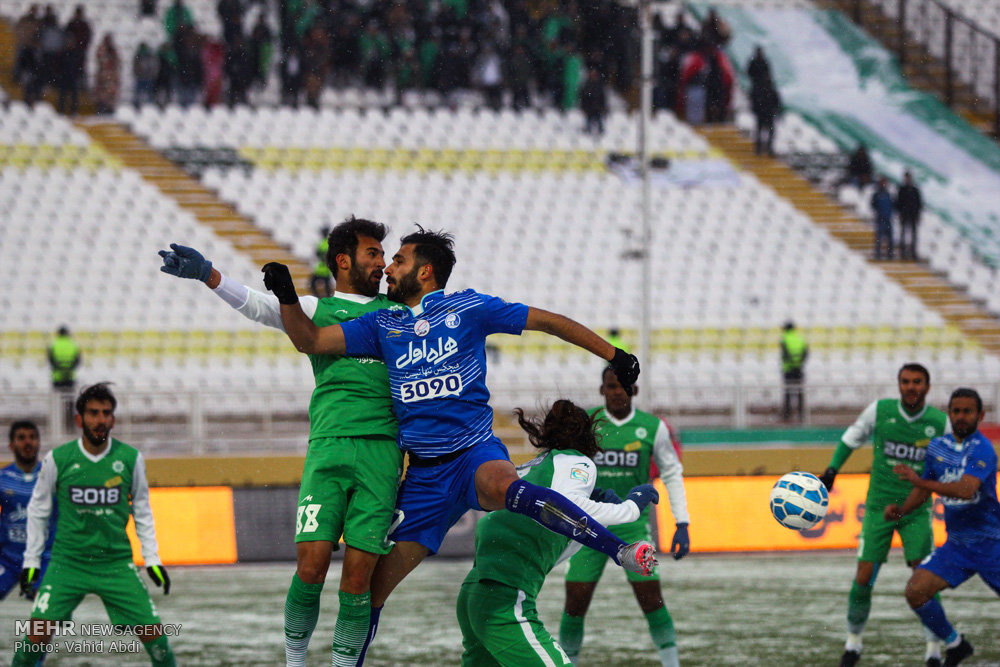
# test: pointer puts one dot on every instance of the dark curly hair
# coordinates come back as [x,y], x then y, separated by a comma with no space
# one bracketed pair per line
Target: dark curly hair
[96,392]
[434,248]
[565,426]
[343,239]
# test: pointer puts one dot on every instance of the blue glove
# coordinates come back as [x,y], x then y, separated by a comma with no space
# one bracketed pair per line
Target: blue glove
[642,495]
[680,546]
[185,262]
[605,496]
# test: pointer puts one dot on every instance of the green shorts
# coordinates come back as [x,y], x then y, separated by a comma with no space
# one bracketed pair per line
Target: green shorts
[349,488]
[587,565]
[876,534]
[118,584]
[500,626]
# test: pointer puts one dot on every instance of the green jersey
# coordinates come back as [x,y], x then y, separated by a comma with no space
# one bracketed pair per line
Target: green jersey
[352,397]
[517,551]
[95,495]
[897,437]
[630,446]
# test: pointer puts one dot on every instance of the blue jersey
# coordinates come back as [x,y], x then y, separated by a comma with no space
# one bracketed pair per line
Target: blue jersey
[15,492]
[436,358]
[977,518]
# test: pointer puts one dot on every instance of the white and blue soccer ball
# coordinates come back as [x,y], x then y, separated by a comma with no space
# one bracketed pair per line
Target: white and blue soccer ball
[799,500]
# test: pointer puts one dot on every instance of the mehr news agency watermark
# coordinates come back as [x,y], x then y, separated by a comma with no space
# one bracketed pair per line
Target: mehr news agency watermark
[87,637]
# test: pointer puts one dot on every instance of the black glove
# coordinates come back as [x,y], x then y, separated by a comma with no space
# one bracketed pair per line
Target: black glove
[158,574]
[279,281]
[827,477]
[626,368]
[29,582]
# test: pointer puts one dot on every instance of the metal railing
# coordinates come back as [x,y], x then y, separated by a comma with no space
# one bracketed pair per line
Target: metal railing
[969,52]
[257,422]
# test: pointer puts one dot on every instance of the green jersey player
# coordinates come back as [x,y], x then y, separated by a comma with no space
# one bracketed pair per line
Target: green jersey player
[496,605]
[353,465]
[900,430]
[97,483]
[631,440]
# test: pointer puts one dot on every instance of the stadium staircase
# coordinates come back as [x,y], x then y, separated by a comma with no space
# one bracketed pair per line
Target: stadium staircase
[922,69]
[191,195]
[953,304]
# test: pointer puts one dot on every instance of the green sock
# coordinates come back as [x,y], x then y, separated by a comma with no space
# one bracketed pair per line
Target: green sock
[571,635]
[661,628]
[301,612]
[23,656]
[160,653]
[352,628]
[859,605]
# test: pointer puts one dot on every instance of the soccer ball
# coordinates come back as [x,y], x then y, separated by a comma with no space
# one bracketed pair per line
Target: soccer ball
[799,500]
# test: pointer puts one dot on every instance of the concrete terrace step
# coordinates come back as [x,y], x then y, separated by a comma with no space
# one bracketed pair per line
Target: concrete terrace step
[192,196]
[952,303]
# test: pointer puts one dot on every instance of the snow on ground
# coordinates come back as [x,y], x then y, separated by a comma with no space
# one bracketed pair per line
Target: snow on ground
[744,609]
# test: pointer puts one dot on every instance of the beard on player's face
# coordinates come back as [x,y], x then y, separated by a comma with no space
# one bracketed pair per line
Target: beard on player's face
[364,280]
[26,450]
[404,287]
[96,436]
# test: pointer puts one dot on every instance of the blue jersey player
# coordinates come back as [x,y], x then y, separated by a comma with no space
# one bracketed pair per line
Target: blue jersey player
[17,481]
[961,467]
[435,354]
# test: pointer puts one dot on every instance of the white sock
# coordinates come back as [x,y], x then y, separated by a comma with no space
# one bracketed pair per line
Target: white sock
[295,651]
[668,657]
[853,642]
[933,650]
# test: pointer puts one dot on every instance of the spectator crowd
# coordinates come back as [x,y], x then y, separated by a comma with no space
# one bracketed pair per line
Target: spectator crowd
[561,53]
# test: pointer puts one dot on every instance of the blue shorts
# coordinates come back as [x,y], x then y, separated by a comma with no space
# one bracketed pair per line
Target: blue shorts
[10,574]
[955,563]
[431,499]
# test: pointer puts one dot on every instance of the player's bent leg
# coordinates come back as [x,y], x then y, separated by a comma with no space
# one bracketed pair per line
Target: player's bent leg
[313,560]
[578,597]
[506,621]
[498,478]
[859,605]
[354,617]
[158,647]
[127,601]
[661,624]
[923,586]
[393,567]
[474,652]
[302,601]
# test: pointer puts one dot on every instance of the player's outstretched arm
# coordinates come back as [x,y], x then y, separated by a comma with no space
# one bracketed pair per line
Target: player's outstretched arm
[570,331]
[303,332]
[964,488]
[185,262]
[916,498]
[625,365]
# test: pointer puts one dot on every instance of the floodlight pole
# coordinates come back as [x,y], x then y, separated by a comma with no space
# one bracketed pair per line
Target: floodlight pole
[645,398]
